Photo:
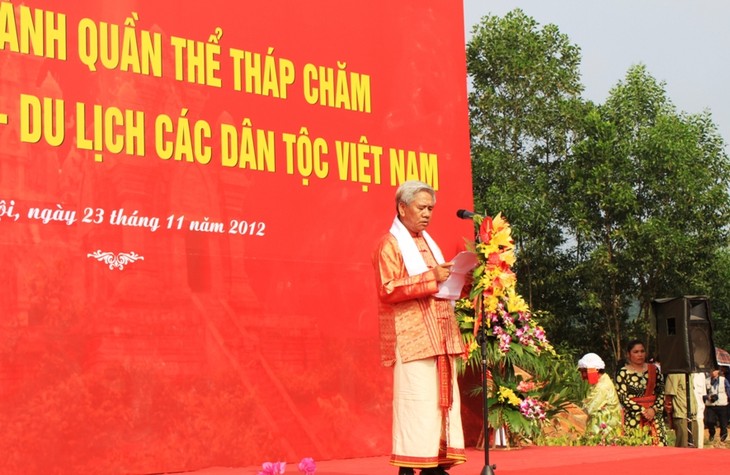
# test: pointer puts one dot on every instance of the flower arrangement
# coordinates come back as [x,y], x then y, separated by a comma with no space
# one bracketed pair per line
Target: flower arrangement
[513,338]
[306,466]
[529,407]
[494,297]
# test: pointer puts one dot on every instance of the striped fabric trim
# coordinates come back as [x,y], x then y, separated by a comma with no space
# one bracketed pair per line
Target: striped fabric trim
[452,457]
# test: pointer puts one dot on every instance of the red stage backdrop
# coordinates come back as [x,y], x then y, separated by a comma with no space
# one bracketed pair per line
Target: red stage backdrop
[189,196]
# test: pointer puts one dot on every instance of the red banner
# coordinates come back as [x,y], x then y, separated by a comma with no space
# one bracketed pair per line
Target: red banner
[189,198]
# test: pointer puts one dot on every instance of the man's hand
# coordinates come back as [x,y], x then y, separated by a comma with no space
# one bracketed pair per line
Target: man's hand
[443,271]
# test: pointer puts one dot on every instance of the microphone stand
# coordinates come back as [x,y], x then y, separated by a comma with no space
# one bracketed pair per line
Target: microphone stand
[488,469]
[482,340]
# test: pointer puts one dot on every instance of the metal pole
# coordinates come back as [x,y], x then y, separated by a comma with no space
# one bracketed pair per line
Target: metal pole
[488,469]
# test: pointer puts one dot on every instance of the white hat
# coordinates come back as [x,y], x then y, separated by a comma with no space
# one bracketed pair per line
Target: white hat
[591,360]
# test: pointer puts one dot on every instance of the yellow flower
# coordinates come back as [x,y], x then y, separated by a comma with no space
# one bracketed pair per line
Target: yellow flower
[507,395]
[499,223]
[508,257]
[498,289]
[485,249]
[487,279]
[515,302]
[502,239]
[501,231]
[490,303]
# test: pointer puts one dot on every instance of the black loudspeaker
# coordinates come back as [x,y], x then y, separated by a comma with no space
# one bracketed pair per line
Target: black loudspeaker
[684,334]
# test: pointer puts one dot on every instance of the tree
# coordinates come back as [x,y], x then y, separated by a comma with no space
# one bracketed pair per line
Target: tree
[718,288]
[647,200]
[524,100]
[612,205]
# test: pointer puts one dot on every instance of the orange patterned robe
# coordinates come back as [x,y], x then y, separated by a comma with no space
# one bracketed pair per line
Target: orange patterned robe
[419,336]
[410,317]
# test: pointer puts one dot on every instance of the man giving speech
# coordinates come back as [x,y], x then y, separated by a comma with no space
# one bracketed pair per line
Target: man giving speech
[419,337]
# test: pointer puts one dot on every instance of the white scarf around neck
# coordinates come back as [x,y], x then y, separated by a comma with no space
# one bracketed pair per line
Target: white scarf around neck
[412,257]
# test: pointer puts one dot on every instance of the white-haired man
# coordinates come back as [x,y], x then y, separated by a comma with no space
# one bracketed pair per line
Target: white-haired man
[419,337]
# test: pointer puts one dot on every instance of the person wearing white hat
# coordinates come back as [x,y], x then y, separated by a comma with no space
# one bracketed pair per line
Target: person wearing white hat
[601,404]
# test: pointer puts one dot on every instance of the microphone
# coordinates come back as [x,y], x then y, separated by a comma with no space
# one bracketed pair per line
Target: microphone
[464,214]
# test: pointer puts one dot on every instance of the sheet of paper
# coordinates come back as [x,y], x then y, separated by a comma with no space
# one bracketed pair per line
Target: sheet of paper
[464,262]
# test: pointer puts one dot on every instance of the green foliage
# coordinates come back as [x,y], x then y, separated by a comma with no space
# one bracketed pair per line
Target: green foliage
[613,205]
[631,436]
[647,217]
[525,89]
[717,278]
[552,380]
[562,384]
[523,106]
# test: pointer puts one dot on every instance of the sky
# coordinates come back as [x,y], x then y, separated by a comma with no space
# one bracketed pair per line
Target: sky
[683,43]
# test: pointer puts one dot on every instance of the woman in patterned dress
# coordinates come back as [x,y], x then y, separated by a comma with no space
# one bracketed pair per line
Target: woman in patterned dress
[640,388]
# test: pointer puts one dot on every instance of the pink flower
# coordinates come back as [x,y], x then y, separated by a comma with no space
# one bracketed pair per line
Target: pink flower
[532,409]
[525,386]
[307,466]
[273,468]
[504,342]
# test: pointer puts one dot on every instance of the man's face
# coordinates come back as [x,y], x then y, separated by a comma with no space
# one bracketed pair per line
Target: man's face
[416,216]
